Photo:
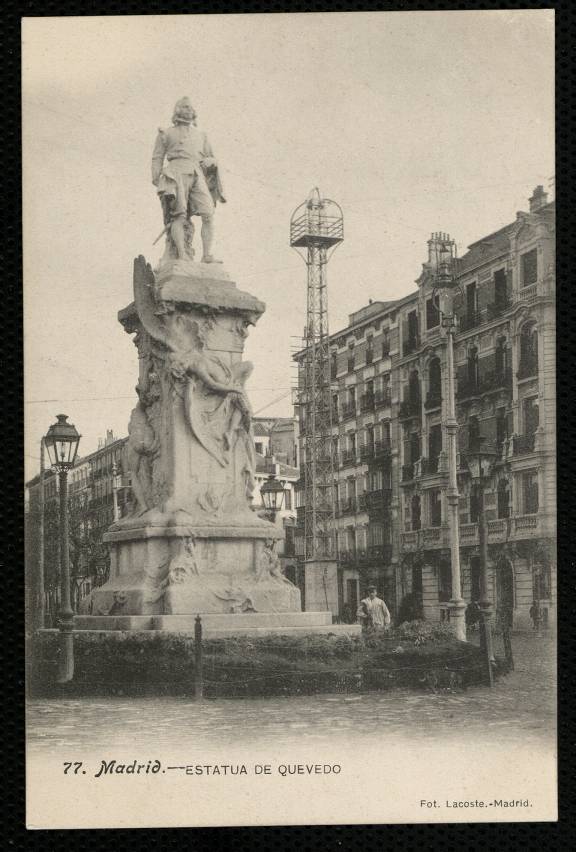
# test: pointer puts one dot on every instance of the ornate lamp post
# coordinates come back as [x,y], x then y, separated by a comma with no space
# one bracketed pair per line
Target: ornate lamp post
[480,459]
[272,492]
[443,256]
[61,443]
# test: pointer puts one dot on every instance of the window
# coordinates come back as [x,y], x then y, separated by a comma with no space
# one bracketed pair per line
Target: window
[258,447]
[530,492]
[473,367]
[529,268]
[415,512]
[474,505]
[414,388]
[444,582]
[412,330]
[541,582]
[370,437]
[352,397]
[432,313]
[335,404]
[352,443]
[414,447]
[500,291]
[475,578]
[501,427]
[473,429]
[385,343]
[531,415]
[435,508]
[503,499]
[333,365]
[351,362]
[528,351]
[369,350]
[434,382]
[287,498]
[435,442]
[471,300]
[500,356]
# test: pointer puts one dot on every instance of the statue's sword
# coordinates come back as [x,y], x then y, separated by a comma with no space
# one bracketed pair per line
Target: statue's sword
[159,237]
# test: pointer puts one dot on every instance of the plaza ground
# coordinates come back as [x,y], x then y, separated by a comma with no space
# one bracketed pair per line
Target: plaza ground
[520,708]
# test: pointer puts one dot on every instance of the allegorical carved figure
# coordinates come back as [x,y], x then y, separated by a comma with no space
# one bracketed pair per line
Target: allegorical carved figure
[186,174]
[269,567]
[139,451]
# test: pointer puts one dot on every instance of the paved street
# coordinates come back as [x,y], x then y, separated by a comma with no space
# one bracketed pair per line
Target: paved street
[520,708]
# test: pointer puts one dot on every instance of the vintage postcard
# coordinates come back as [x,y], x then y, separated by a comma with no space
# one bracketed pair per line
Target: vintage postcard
[289,290]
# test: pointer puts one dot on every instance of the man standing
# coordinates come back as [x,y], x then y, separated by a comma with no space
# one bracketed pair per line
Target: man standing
[373,612]
[186,174]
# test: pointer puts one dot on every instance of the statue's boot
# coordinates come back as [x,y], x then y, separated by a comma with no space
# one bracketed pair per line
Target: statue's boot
[207,234]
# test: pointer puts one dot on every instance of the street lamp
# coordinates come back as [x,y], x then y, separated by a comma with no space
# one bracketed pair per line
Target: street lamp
[480,459]
[443,258]
[61,444]
[272,492]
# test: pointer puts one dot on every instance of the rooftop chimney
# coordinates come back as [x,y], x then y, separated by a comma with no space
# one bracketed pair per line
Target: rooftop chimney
[538,200]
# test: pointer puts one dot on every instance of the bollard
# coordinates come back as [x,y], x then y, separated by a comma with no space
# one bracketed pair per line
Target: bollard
[198,673]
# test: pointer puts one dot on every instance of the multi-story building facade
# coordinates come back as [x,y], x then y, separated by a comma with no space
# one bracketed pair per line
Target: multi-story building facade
[389,411]
[95,497]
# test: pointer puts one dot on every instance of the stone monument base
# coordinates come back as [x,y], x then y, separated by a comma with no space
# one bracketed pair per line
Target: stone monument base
[221,624]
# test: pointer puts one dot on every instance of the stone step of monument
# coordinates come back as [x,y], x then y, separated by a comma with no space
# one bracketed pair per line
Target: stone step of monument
[228,622]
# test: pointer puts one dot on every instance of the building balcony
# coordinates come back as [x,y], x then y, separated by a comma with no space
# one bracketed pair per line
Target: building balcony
[367,402]
[468,388]
[501,530]
[429,466]
[496,380]
[411,345]
[382,449]
[382,398]
[496,309]
[527,368]
[348,411]
[523,444]
[378,499]
[409,408]
[407,472]
[366,451]
[472,319]
[347,506]
[433,400]
[379,553]
[348,459]
[429,538]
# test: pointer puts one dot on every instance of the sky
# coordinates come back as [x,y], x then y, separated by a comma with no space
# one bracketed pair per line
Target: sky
[412,121]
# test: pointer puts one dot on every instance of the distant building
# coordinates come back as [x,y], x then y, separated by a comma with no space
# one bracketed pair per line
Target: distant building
[91,511]
[276,436]
[388,371]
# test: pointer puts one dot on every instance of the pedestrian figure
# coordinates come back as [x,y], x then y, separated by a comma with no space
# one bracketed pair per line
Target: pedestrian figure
[373,612]
[535,615]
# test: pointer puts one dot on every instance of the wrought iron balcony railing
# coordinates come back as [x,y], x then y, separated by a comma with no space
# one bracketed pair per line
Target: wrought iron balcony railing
[528,367]
[348,410]
[367,402]
[522,444]
[409,408]
[433,400]
[382,398]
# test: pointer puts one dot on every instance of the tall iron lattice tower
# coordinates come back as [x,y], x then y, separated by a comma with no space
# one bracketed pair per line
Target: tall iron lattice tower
[316,229]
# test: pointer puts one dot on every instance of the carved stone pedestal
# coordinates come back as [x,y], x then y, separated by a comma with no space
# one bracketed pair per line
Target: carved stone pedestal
[191,542]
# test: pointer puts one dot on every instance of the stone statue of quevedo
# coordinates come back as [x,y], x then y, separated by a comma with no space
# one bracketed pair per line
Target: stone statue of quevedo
[186,175]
